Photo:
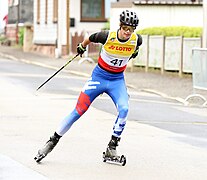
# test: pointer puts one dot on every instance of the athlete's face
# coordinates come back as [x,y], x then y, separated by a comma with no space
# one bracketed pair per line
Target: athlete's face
[125,32]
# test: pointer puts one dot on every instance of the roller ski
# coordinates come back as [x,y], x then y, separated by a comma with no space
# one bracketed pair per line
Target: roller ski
[47,148]
[111,155]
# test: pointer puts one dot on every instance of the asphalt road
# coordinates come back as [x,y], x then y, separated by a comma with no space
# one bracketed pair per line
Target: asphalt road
[144,108]
[174,142]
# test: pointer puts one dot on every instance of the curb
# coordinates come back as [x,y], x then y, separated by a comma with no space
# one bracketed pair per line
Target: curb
[181,100]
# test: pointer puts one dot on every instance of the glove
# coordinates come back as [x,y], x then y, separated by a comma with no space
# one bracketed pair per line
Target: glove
[81,49]
[134,55]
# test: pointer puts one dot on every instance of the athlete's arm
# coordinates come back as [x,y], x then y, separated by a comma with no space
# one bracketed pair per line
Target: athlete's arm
[139,42]
[85,42]
[99,37]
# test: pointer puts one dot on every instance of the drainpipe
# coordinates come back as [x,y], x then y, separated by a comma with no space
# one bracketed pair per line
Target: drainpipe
[204,40]
[67,25]
[17,23]
[58,49]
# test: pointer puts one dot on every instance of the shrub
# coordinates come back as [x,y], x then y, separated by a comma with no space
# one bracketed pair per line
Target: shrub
[106,25]
[172,31]
[2,38]
[21,36]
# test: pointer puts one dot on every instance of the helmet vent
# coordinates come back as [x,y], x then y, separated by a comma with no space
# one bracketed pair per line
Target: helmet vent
[129,18]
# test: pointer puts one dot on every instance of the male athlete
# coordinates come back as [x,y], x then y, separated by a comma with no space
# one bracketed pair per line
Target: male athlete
[118,48]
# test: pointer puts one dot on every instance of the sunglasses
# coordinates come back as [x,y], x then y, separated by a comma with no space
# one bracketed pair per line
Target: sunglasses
[128,28]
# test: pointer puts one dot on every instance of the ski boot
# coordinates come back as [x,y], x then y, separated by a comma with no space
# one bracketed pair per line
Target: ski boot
[111,154]
[47,148]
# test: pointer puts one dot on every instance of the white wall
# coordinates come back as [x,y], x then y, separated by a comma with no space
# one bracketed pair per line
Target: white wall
[48,33]
[114,17]
[62,29]
[3,12]
[44,33]
[154,15]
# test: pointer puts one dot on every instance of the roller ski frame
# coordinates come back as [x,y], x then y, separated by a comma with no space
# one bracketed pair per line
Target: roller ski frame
[39,157]
[48,147]
[116,159]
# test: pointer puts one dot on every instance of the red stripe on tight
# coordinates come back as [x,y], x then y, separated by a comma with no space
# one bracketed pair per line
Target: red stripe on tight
[83,103]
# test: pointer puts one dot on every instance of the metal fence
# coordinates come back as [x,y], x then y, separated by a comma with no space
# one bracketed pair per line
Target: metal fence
[199,68]
[167,53]
[199,72]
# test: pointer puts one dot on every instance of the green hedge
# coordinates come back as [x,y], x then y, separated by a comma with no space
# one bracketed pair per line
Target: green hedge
[172,31]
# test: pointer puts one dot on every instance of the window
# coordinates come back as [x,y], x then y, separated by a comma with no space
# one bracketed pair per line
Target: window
[55,11]
[93,10]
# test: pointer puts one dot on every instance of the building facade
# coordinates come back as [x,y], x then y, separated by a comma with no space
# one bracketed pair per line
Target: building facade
[55,22]
[161,12]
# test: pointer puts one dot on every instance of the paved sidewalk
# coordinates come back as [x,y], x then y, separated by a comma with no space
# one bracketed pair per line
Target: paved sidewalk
[169,85]
[11,169]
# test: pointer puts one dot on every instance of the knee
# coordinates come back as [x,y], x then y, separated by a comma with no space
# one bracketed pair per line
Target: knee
[123,111]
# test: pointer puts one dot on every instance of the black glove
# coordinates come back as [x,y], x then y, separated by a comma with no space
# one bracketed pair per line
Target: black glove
[80,49]
[134,55]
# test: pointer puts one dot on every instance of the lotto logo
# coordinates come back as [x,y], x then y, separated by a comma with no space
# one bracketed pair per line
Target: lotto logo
[119,48]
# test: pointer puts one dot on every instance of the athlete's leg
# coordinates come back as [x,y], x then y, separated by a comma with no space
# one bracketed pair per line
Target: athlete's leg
[119,95]
[90,91]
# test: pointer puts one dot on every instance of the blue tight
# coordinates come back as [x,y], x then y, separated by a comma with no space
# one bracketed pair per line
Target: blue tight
[100,82]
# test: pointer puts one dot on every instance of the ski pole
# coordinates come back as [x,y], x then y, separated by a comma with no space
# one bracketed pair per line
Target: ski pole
[57,72]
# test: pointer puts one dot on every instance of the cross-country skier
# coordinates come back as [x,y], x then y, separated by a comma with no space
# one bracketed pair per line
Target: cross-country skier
[118,48]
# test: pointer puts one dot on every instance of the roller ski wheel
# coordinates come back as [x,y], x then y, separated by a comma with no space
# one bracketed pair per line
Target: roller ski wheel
[115,159]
